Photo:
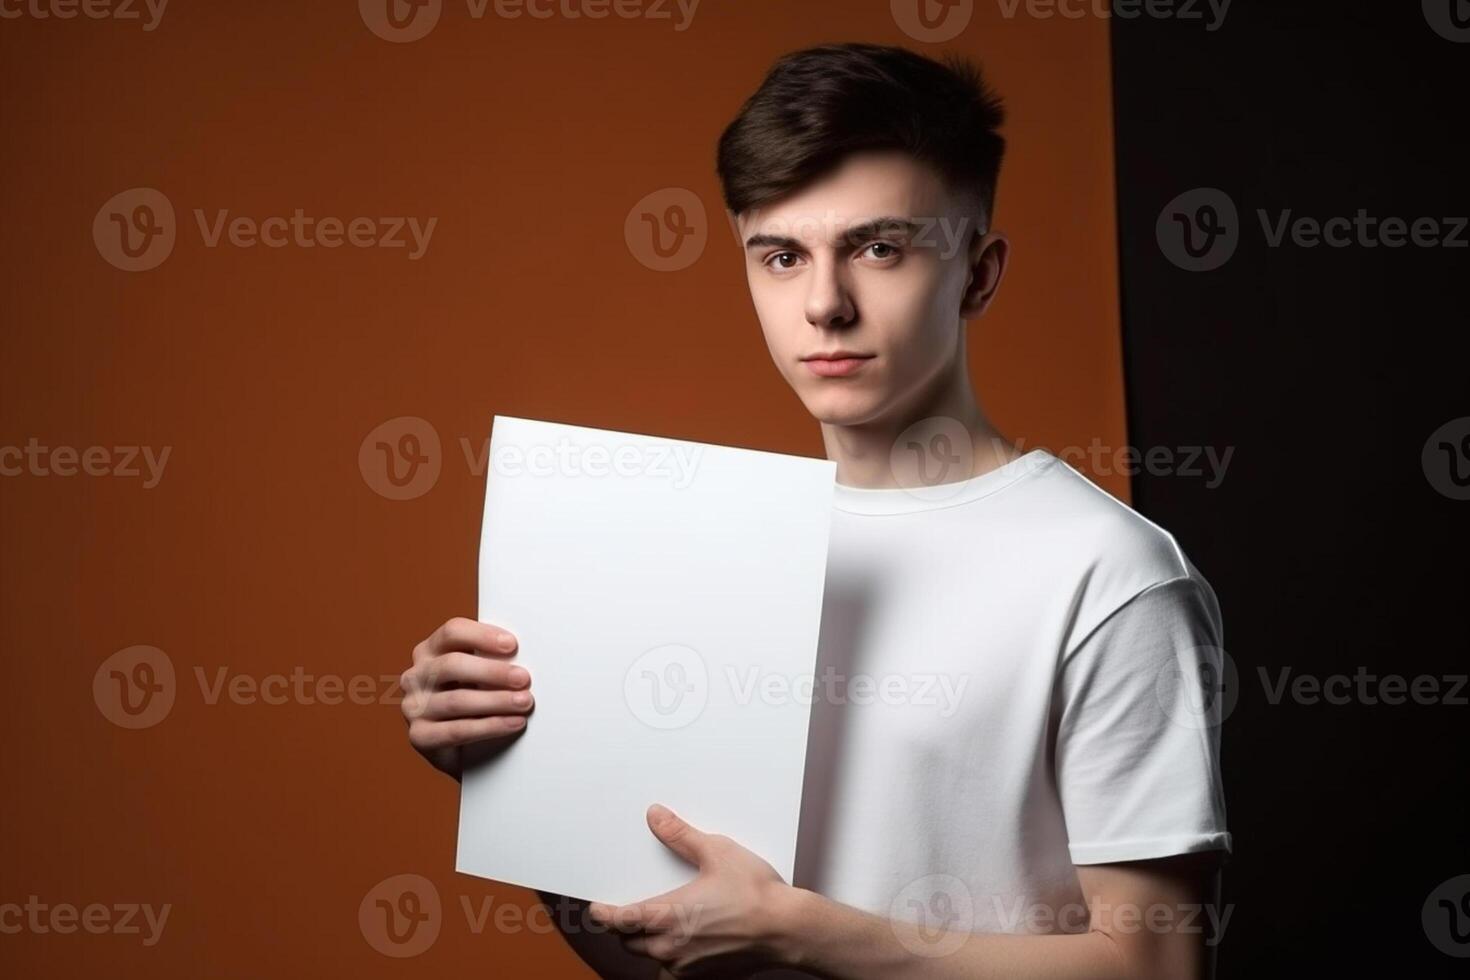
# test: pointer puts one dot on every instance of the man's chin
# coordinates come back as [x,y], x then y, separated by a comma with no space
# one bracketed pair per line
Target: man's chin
[844,407]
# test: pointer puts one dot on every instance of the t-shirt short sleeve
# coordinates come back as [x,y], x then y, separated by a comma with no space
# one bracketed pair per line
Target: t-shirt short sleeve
[1138,731]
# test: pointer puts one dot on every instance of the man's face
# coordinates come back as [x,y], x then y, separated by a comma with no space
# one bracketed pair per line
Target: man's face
[872,260]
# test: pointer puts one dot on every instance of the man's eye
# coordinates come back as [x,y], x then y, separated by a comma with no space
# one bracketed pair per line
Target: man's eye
[776,260]
[882,250]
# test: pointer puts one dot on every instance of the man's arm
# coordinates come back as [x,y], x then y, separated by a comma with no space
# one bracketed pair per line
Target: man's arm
[1150,920]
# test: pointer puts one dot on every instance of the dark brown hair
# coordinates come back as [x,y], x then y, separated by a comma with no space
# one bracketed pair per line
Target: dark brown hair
[821,104]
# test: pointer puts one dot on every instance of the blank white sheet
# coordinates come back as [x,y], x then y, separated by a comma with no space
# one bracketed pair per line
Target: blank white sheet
[667,598]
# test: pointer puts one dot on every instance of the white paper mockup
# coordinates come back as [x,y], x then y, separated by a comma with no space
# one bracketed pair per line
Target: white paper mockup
[667,597]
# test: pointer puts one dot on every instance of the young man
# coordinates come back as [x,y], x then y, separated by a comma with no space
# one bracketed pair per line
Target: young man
[1060,814]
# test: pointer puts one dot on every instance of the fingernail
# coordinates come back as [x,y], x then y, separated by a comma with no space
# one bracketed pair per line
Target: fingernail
[521,698]
[519,675]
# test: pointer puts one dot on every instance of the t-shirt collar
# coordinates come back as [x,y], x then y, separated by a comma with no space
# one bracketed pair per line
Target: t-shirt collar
[908,500]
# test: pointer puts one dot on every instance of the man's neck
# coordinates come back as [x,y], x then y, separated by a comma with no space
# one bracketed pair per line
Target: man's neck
[932,429]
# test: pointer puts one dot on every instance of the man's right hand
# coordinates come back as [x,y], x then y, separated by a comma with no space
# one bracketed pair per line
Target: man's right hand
[463,689]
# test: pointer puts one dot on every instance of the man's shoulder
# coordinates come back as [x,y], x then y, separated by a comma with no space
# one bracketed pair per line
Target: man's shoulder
[1108,550]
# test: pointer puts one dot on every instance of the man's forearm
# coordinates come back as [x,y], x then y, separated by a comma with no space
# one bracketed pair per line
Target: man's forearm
[827,939]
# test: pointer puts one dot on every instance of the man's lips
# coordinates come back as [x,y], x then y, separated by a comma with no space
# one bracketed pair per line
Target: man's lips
[836,364]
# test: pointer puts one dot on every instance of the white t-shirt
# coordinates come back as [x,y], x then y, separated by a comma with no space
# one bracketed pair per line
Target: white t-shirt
[1038,657]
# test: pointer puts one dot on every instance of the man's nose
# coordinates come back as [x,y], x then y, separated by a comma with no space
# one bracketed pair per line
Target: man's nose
[829,301]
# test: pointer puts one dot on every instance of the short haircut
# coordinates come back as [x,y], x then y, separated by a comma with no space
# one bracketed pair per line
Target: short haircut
[819,105]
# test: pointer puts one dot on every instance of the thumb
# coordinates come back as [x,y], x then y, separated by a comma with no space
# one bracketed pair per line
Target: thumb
[677,834]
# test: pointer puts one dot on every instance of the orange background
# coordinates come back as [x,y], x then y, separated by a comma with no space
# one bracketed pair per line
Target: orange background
[263,548]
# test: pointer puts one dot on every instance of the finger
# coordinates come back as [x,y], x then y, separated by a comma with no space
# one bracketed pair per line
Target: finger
[427,736]
[619,918]
[677,834]
[468,702]
[652,916]
[470,635]
[456,671]
[467,669]
[660,948]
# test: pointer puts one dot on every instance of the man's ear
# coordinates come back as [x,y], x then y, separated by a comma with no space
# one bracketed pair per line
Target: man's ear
[987,257]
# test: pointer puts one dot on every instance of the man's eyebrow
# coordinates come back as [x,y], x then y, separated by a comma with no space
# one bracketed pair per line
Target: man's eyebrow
[780,241]
[880,225]
[861,230]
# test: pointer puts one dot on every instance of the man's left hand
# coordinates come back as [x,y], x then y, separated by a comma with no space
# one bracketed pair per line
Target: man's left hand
[726,922]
